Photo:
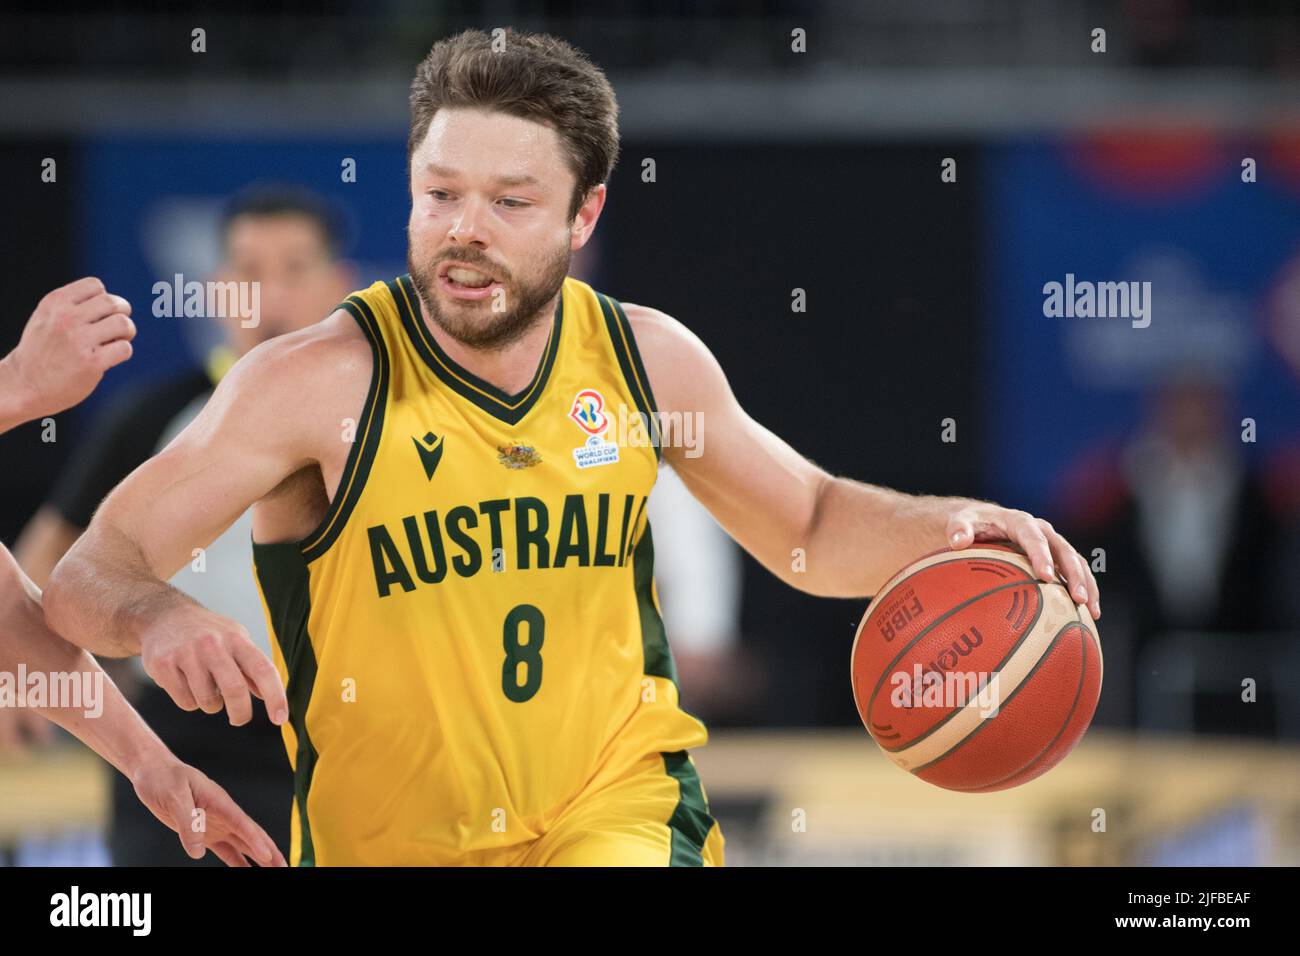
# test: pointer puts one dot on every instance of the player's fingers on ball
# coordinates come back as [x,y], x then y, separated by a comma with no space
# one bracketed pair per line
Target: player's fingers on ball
[1080,582]
[1069,563]
[112,353]
[1094,589]
[961,529]
[266,682]
[1078,578]
[1027,533]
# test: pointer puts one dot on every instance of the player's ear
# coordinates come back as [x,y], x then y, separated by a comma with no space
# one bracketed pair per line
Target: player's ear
[584,221]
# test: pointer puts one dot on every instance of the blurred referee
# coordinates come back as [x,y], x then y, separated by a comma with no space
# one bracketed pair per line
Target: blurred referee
[288,240]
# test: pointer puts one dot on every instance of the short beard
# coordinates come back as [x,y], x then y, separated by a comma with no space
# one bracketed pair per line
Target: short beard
[498,329]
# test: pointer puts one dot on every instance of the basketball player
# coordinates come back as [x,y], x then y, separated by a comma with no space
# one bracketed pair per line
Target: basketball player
[449,515]
[75,335]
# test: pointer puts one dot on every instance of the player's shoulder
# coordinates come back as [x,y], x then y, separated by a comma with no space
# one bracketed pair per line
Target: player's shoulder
[335,344]
[680,366]
[307,369]
[659,333]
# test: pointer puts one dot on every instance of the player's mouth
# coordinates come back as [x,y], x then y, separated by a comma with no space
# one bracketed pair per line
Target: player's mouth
[462,281]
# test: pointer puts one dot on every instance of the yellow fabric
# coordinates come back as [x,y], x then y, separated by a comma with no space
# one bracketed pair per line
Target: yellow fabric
[437,730]
[220,360]
[618,825]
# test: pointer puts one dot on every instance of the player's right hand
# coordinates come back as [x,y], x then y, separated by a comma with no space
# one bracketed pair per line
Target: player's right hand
[77,332]
[208,662]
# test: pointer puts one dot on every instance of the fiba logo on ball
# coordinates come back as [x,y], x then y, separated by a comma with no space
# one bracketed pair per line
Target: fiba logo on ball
[1029,678]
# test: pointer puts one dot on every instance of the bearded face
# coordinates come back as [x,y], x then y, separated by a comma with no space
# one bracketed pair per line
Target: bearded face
[479,301]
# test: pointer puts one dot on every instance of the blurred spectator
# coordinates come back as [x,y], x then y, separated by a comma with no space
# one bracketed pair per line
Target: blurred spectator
[1187,532]
[288,241]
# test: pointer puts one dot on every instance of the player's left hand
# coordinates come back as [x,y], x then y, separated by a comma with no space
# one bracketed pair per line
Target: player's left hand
[1048,552]
[203,814]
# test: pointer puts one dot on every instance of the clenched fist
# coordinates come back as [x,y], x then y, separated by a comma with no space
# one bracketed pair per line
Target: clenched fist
[77,333]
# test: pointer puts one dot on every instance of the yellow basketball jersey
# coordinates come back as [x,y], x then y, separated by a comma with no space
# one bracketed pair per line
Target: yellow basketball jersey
[472,635]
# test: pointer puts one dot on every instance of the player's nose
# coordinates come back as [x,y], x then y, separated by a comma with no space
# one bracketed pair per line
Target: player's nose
[468,226]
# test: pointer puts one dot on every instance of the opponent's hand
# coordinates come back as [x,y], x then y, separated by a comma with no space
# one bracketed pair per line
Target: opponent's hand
[77,332]
[206,662]
[1046,549]
[203,814]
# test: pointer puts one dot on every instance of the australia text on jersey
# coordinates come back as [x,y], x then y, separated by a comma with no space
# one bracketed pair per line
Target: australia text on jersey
[413,549]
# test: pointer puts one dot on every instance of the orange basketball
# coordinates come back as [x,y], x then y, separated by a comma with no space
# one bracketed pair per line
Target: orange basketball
[973,675]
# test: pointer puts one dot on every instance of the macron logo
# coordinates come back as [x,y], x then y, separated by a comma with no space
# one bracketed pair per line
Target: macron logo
[430,449]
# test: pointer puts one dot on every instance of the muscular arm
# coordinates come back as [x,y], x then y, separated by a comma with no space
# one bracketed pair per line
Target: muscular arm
[103,720]
[43,541]
[778,505]
[270,417]
[118,735]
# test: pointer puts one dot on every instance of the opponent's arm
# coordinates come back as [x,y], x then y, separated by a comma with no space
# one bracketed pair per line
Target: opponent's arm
[105,722]
[772,500]
[266,420]
[75,334]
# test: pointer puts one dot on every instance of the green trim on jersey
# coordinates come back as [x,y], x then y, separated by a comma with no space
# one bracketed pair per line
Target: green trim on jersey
[283,575]
[364,445]
[654,641]
[691,821]
[629,363]
[508,408]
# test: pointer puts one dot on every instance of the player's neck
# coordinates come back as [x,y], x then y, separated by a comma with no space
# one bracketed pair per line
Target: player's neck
[509,369]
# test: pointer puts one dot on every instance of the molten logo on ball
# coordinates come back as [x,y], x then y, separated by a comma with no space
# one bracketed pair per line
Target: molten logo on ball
[1030,670]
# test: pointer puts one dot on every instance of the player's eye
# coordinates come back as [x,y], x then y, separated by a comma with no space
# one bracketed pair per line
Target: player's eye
[440,195]
[514,203]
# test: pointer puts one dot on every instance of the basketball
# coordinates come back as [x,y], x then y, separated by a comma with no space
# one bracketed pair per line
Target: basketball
[972,674]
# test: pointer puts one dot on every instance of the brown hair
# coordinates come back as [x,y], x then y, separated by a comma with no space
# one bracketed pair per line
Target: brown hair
[533,76]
